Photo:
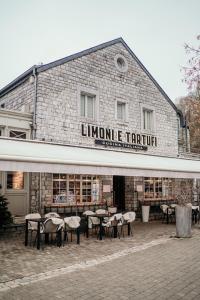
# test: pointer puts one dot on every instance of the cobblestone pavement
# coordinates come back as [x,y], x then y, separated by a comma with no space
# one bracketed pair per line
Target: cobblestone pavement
[149,265]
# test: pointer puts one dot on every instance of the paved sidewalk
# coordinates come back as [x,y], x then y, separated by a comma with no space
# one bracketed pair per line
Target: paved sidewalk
[149,265]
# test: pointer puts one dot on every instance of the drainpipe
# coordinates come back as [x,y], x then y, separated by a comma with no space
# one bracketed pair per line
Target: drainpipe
[40,194]
[34,103]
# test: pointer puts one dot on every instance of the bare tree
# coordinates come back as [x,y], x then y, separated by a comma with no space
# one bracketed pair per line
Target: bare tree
[192,70]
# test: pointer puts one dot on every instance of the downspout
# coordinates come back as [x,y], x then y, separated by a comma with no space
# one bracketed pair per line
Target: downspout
[35,103]
[40,194]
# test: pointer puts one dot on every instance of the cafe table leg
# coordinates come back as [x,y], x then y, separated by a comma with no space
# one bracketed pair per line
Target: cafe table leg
[78,235]
[38,236]
[59,238]
[87,229]
[129,229]
[115,231]
[167,215]
[26,233]
[100,230]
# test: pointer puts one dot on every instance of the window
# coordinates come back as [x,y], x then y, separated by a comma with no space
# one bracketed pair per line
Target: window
[88,106]
[75,188]
[15,180]
[121,63]
[157,188]
[147,119]
[17,134]
[121,111]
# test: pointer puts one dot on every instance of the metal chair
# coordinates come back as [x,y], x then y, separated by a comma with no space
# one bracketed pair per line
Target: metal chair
[72,224]
[32,226]
[129,218]
[52,226]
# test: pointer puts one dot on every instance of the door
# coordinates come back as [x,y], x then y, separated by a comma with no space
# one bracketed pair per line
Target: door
[16,186]
[119,192]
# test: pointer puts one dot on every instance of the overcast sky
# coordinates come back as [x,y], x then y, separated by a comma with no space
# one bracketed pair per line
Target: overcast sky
[35,31]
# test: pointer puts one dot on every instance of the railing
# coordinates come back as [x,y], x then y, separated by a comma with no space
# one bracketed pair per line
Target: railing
[73,209]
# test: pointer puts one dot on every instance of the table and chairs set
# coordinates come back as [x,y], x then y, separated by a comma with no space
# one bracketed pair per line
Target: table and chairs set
[52,228]
[169,212]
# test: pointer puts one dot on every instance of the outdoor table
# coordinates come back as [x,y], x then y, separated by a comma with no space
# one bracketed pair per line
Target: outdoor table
[39,221]
[101,229]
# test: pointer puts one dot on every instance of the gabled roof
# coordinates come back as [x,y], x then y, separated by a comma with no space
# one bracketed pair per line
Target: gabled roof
[41,68]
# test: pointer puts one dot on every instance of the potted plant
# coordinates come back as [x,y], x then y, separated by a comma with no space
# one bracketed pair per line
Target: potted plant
[183,211]
[145,211]
[5,215]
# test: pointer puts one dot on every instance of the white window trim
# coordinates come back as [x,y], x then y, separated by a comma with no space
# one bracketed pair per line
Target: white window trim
[16,191]
[125,122]
[90,92]
[150,108]
[2,129]
[125,68]
[28,133]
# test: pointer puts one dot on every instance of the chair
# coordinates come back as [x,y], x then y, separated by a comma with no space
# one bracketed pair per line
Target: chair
[72,224]
[91,220]
[32,226]
[52,215]
[53,226]
[129,218]
[113,224]
[167,212]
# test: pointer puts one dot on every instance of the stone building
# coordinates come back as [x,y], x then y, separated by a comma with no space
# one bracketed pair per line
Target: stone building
[104,131]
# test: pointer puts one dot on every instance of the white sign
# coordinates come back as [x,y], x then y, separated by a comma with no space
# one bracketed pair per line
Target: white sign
[106,188]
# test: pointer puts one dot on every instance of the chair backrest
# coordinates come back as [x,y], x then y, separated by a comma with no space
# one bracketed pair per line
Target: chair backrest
[52,215]
[33,216]
[101,211]
[164,207]
[88,213]
[129,216]
[94,221]
[112,210]
[72,222]
[50,226]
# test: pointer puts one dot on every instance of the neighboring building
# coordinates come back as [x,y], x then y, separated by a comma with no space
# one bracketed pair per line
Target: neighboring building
[100,98]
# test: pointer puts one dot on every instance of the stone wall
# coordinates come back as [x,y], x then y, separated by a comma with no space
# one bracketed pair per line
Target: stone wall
[20,98]
[58,107]
[41,190]
[133,194]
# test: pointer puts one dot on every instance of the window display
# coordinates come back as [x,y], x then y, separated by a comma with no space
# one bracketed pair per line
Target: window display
[75,188]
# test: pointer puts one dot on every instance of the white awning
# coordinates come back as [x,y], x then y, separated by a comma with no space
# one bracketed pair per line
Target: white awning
[34,156]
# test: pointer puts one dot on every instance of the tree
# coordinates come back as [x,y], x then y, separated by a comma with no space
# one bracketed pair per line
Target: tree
[5,215]
[192,70]
[190,105]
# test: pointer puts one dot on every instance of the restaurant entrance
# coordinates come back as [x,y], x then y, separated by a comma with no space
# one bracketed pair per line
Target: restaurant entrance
[119,192]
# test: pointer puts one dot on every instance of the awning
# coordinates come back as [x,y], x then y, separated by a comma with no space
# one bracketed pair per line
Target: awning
[35,156]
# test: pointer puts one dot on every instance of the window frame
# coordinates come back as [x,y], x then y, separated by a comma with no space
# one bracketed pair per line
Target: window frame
[9,129]
[155,183]
[73,181]
[11,190]
[90,92]
[125,120]
[86,96]
[151,109]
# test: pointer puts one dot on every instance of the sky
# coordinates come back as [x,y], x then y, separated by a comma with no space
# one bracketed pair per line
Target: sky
[41,31]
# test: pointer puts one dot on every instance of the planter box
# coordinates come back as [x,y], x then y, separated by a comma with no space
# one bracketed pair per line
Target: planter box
[145,213]
[183,221]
